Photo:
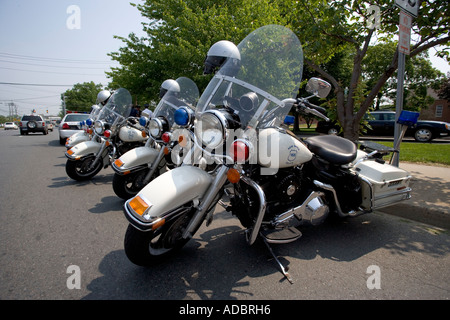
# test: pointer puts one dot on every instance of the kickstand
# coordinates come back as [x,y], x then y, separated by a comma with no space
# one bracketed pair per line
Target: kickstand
[283,269]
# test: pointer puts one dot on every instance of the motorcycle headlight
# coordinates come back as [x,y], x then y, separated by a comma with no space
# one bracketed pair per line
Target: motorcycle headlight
[155,128]
[210,129]
[99,127]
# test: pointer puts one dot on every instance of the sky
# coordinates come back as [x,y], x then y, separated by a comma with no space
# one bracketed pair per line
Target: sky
[58,43]
[52,42]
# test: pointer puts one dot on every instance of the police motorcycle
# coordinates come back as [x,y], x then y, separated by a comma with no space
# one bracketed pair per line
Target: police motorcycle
[114,134]
[167,142]
[87,125]
[87,129]
[273,182]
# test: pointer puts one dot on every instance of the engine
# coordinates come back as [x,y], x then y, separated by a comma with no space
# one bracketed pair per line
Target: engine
[289,198]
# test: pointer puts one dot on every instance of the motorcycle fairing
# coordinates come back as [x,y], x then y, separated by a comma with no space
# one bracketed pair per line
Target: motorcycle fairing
[136,158]
[76,138]
[83,149]
[167,192]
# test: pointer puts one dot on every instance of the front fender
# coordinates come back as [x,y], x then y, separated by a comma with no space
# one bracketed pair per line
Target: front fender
[135,158]
[166,193]
[83,149]
[76,138]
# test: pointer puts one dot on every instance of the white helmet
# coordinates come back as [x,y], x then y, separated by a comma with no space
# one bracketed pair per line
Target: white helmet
[169,85]
[103,97]
[220,53]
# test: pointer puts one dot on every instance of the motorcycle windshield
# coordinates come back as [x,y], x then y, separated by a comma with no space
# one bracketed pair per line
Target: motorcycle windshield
[186,96]
[118,105]
[270,71]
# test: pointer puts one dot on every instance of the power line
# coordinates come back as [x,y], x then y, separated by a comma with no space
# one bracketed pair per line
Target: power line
[37,84]
[46,65]
[24,57]
[84,74]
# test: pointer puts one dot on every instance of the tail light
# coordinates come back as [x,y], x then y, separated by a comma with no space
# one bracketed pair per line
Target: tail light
[65,126]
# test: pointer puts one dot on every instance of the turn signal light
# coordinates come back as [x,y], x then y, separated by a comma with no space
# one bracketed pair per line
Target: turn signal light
[138,205]
[118,163]
[233,175]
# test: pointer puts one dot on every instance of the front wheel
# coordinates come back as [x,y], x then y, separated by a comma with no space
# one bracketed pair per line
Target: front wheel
[81,170]
[153,247]
[127,186]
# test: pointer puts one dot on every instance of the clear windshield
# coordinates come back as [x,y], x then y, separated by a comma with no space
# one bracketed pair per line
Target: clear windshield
[95,112]
[118,105]
[174,99]
[271,70]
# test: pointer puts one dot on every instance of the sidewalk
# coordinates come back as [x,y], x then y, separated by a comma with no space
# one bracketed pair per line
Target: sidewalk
[430,196]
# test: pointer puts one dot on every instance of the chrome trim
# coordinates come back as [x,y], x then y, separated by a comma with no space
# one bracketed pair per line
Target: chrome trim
[262,209]
[147,226]
[206,202]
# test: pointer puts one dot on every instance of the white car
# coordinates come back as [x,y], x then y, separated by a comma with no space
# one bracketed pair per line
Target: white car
[11,126]
[70,124]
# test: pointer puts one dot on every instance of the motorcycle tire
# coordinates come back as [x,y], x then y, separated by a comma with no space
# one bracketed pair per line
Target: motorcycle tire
[153,247]
[79,169]
[127,186]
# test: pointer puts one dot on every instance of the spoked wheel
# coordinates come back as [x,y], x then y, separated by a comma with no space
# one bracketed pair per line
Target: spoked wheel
[127,186]
[152,247]
[81,170]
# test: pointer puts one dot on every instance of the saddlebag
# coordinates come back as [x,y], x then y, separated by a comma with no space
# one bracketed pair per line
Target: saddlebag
[382,184]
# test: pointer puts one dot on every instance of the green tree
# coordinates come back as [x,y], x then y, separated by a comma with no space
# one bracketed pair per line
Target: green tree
[327,28]
[178,36]
[82,96]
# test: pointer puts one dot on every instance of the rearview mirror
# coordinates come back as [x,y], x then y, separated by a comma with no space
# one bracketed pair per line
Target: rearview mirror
[318,87]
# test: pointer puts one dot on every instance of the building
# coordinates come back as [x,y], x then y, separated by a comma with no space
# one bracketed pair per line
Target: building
[438,111]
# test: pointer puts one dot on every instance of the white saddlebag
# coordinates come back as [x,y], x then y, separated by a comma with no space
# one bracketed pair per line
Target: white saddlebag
[382,184]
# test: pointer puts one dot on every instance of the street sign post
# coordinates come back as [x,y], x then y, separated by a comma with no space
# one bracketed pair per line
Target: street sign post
[407,8]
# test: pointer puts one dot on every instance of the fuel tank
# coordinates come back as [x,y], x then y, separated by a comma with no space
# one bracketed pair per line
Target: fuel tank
[130,134]
[278,148]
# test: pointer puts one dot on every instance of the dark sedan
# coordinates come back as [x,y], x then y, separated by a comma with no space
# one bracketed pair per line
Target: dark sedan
[383,124]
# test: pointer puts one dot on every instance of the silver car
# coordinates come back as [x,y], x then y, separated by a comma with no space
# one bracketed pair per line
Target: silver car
[70,124]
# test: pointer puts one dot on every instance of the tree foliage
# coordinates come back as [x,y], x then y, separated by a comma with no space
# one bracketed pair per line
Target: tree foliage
[327,28]
[337,38]
[82,96]
[178,36]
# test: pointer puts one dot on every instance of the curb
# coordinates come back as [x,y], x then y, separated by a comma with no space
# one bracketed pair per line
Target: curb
[420,214]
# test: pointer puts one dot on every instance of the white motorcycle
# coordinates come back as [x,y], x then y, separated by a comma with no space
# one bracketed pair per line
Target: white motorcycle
[115,134]
[274,181]
[87,132]
[136,168]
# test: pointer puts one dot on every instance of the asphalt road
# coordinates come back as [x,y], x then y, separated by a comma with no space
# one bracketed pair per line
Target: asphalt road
[61,239]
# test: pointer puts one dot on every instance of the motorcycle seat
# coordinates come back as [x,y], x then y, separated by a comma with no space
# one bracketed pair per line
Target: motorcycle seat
[333,149]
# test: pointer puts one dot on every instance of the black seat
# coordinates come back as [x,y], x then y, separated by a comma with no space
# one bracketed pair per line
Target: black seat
[333,149]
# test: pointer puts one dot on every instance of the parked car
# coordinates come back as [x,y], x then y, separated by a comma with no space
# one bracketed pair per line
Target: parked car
[70,124]
[49,125]
[382,123]
[32,123]
[11,126]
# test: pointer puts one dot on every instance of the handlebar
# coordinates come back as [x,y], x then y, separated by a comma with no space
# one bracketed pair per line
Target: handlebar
[305,106]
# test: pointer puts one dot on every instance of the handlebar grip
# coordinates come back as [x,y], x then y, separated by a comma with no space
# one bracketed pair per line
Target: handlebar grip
[313,106]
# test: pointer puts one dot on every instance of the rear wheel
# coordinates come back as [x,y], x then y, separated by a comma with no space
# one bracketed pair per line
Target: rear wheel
[81,170]
[152,247]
